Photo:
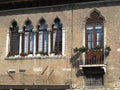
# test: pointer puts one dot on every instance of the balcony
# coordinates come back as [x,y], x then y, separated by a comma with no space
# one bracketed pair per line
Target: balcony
[94,57]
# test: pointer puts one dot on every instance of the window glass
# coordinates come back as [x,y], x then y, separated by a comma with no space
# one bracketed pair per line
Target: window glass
[26,35]
[99,34]
[46,41]
[31,42]
[90,36]
[40,41]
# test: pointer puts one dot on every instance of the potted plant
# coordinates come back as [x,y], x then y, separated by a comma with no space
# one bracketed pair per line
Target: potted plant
[107,50]
[23,54]
[98,48]
[76,49]
[82,49]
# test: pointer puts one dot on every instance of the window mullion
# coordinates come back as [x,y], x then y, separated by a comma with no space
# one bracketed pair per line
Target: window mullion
[52,40]
[95,35]
[29,42]
[58,42]
[23,42]
[11,41]
[43,42]
[86,37]
[20,45]
[102,35]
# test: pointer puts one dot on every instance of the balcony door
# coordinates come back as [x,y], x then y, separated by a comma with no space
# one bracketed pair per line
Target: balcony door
[94,37]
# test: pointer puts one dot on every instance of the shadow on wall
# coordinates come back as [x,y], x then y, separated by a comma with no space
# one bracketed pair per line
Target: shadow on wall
[75,61]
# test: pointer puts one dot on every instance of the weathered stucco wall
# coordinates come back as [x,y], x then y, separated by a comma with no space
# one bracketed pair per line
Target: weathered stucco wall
[74,24]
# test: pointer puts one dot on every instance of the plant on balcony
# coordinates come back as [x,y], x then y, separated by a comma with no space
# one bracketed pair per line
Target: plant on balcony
[98,48]
[76,49]
[82,49]
[107,50]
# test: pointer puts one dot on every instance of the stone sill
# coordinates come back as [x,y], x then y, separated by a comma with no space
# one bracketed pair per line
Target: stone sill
[95,87]
[93,65]
[29,57]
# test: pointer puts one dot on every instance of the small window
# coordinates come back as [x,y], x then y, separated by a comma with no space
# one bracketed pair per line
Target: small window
[11,71]
[22,70]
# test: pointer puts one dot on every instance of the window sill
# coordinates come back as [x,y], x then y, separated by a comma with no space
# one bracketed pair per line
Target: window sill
[95,87]
[29,57]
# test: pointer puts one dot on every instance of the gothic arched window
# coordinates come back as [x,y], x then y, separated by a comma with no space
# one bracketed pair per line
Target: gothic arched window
[14,38]
[56,37]
[94,30]
[42,37]
[28,38]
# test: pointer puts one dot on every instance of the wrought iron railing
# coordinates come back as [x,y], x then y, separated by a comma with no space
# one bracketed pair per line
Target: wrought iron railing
[94,57]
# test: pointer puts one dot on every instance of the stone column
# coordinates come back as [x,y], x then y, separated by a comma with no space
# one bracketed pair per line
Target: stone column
[49,42]
[7,43]
[20,44]
[63,42]
[35,32]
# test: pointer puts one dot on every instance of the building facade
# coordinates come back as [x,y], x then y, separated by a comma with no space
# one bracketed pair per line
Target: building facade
[60,46]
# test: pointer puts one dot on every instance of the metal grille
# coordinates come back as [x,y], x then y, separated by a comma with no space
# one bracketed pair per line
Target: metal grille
[94,80]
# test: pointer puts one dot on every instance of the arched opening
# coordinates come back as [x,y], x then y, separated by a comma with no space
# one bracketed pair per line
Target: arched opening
[28,38]
[14,38]
[56,36]
[42,37]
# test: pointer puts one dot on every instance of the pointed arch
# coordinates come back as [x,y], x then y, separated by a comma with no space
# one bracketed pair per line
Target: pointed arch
[28,25]
[42,25]
[28,37]
[14,25]
[95,16]
[14,38]
[28,22]
[57,23]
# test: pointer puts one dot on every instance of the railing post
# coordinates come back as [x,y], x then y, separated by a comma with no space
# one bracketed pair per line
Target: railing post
[83,55]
